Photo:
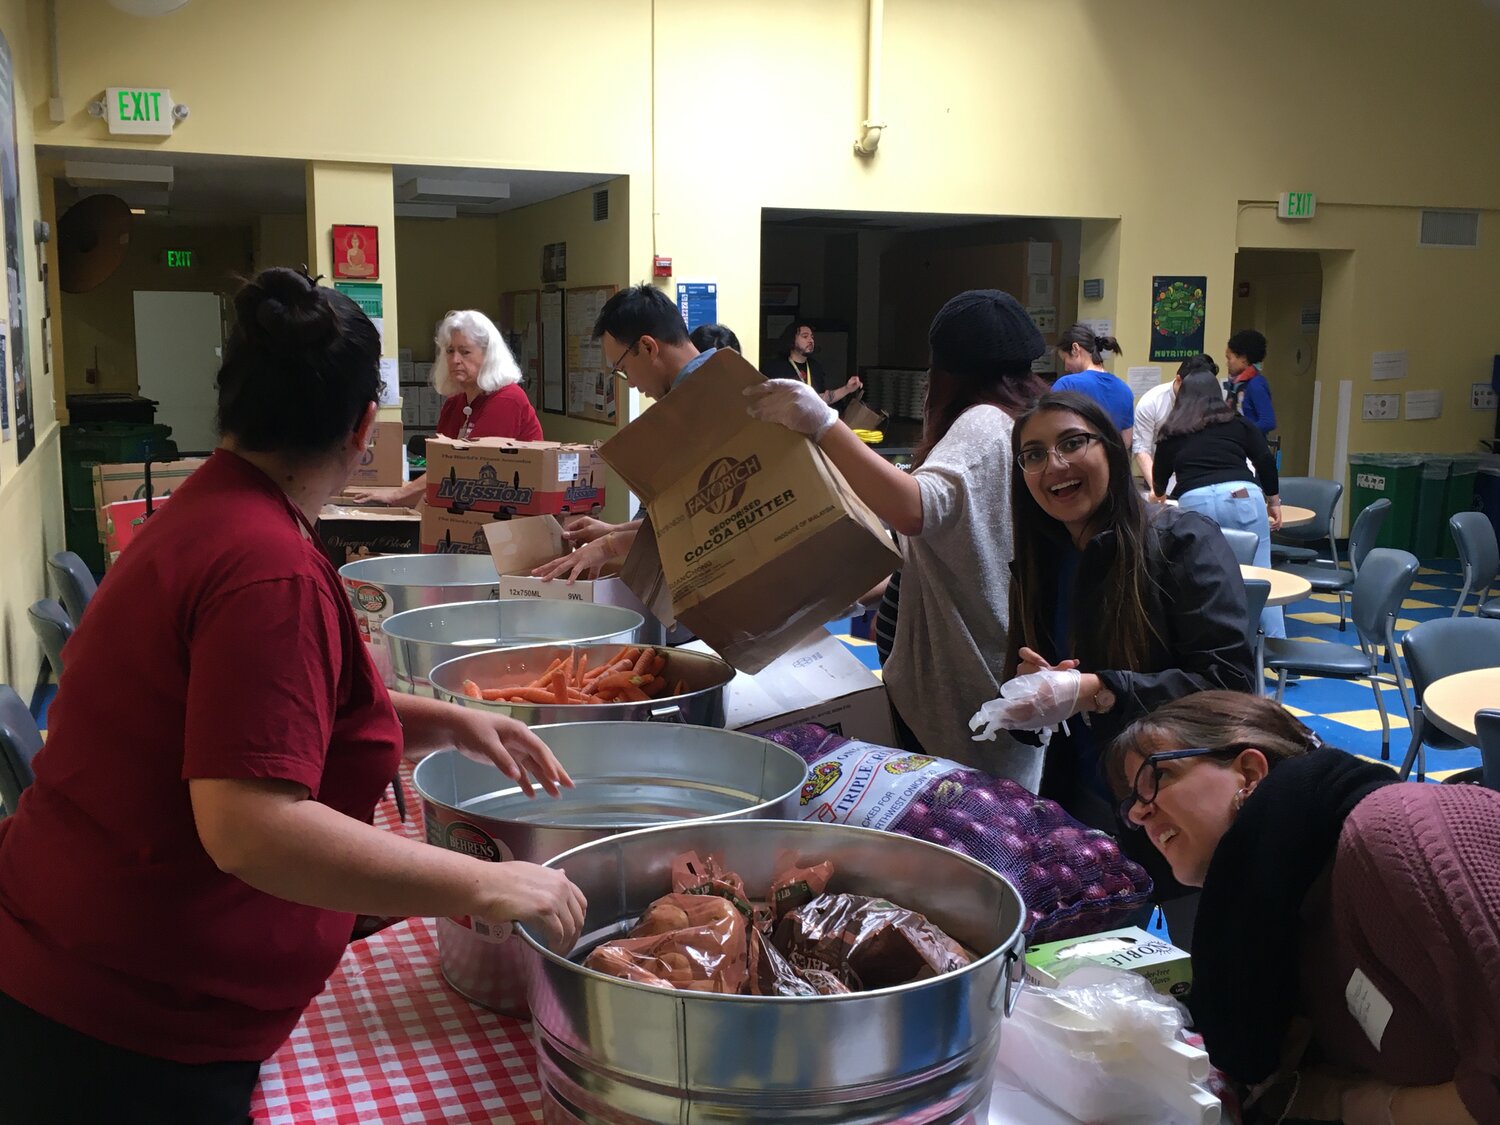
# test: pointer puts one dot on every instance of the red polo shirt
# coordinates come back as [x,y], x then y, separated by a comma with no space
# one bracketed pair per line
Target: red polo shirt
[220,646]
[506,413]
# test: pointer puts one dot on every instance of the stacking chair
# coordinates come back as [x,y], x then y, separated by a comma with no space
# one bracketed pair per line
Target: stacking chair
[75,585]
[1489,748]
[1322,497]
[1383,583]
[1334,579]
[1242,543]
[50,623]
[19,741]
[1257,590]
[1480,556]
[1435,649]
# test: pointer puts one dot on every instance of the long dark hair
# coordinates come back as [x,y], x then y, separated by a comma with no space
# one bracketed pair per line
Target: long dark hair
[1123,638]
[1200,404]
[1084,336]
[949,395]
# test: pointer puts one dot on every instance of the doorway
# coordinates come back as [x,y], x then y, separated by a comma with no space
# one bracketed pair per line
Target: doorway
[179,339]
[1280,294]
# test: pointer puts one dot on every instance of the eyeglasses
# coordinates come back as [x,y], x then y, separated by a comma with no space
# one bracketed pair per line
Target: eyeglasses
[615,368]
[1069,450]
[1148,777]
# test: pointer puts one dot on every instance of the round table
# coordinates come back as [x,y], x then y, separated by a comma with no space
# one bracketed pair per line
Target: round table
[1452,701]
[1285,588]
[1293,516]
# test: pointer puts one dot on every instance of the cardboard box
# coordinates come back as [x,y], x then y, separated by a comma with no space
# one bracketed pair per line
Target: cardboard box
[819,681]
[1169,969]
[455,533]
[352,533]
[754,539]
[383,465]
[122,523]
[127,481]
[523,478]
[860,415]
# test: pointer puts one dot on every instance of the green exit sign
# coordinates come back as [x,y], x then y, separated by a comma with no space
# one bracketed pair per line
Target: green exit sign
[179,259]
[1296,205]
[139,111]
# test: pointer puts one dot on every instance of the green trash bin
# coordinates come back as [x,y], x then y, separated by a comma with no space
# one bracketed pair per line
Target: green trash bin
[1396,477]
[1431,524]
[1460,496]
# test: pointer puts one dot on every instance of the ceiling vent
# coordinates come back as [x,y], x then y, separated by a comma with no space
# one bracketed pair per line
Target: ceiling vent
[457,193]
[601,205]
[1450,228]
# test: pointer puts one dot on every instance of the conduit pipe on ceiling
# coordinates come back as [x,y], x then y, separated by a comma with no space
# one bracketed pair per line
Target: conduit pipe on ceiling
[869,134]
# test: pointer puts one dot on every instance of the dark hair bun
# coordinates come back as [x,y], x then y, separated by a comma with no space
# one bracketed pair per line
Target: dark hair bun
[285,313]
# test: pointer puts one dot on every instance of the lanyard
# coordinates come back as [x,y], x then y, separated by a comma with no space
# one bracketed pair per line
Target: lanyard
[804,374]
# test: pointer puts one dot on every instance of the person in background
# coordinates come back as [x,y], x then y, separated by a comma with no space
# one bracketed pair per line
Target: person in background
[1081,355]
[484,398]
[708,337]
[952,513]
[1347,952]
[1249,391]
[1152,410]
[644,340]
[184,873]
[1206,445]
[796,362]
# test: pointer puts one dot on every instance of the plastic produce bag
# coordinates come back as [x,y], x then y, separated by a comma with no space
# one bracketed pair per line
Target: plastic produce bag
[689,941]
[866,943]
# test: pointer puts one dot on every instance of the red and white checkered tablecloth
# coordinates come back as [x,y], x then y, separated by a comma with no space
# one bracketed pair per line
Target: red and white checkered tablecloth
[388,1040]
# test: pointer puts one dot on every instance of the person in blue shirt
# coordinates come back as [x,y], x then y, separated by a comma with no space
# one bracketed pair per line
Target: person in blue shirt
[1248,389]
[1081,354]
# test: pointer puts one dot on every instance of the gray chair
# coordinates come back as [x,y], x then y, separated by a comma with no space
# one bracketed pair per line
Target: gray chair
[19,742]
[1480,555]
[1322,497]
[1257,590]
[1335,579]
[1383,583]
[1435,649]
[50,623]
[75,585]
[1488,723]
[1242,543]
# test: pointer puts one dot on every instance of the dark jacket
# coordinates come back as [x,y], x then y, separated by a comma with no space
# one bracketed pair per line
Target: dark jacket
[781,368]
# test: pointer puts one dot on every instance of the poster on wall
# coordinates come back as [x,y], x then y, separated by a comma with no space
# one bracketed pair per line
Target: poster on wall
[24,424]
[1178,307]
[356,252]
[698,301]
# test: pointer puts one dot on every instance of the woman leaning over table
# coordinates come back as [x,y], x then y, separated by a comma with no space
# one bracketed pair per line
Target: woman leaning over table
[952,512]
[183,875]
[483,396]
[1346,964]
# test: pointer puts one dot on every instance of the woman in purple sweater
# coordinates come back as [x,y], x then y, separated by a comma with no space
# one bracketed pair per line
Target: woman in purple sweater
[1346,959]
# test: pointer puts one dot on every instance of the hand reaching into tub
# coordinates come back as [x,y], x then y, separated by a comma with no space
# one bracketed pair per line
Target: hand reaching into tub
[496,740]
[541,898]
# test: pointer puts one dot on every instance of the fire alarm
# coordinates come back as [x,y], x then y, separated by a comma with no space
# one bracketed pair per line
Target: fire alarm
[661,266]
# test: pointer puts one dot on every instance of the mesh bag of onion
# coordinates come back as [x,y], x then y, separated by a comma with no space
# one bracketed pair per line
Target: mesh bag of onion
[1074,879]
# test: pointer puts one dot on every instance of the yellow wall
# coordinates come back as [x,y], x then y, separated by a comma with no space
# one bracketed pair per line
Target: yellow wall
[280,240]
[445,264]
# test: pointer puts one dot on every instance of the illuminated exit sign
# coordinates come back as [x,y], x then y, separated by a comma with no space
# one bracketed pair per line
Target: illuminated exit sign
[136,111]
[1296,205]
[178,259]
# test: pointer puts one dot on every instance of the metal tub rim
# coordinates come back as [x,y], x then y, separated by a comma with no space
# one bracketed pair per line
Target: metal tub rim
[421,609]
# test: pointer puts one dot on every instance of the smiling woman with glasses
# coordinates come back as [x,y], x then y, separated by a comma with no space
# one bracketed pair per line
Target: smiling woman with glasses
[1341,909]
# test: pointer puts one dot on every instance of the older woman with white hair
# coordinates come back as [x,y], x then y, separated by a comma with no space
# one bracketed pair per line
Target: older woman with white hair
[481,385]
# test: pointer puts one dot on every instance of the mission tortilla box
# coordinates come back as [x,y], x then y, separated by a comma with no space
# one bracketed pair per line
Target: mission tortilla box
[1169,969]
[456,533]
[754,540]
[523,478]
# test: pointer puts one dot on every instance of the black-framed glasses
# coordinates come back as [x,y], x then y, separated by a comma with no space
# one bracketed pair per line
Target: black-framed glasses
[1070,449]
[1147,781]
[614,368]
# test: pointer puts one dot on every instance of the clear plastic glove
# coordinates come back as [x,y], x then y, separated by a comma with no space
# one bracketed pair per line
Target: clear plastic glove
[1039,701]
[794,405]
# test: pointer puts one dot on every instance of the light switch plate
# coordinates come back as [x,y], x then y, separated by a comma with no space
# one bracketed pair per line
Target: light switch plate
[1381,408]
[1481,396]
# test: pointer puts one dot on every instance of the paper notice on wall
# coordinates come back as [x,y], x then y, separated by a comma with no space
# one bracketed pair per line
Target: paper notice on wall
[1424,404]
[1039,289]
[379,323]
[1045,317]
[1142,379]
[1100,327]
[390,382]
[1388,365]
[1039,257]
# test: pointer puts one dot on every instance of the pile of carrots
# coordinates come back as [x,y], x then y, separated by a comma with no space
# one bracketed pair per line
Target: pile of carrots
[632,675]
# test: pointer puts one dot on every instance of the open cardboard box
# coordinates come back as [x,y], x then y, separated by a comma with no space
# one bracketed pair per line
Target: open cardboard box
[383,464]
[754,539]
[350,532]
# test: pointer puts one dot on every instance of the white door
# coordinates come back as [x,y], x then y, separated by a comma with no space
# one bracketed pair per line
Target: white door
[178,341]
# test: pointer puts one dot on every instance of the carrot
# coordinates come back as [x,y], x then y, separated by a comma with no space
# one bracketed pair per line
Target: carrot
[644,661]
[615,682]
[631,654]
[680,687]
[583,663]
[471,690]
[633,694]
[560,686]
[526,695]
[654,686]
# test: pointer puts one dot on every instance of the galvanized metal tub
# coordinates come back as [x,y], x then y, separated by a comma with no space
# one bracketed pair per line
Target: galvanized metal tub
[626,777]
[706,679]
[421,639]
[389,584]
[613,1051]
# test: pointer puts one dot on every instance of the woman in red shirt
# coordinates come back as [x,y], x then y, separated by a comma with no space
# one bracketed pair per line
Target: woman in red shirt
[483,396]
[184,873]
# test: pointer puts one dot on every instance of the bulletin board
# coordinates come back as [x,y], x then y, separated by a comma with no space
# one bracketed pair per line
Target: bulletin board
[591,390]
[554,379]
[521,323]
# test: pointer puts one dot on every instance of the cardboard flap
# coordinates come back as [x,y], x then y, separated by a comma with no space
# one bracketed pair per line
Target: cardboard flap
[642,574]
[371,515]
[520,545]
[673,437]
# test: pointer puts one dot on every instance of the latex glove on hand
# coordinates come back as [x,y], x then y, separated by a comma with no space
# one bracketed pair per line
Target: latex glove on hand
[794,405]
[1038,701]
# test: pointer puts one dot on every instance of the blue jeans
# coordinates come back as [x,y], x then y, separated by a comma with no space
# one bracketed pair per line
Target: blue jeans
[1240,505]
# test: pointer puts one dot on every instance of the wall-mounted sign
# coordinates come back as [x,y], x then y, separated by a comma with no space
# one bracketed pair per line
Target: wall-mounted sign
[131,110]
[1178,309]
[177,259]
[356,252]
[1296,205]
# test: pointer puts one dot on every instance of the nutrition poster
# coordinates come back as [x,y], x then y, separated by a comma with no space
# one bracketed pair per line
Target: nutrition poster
[1178,307]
